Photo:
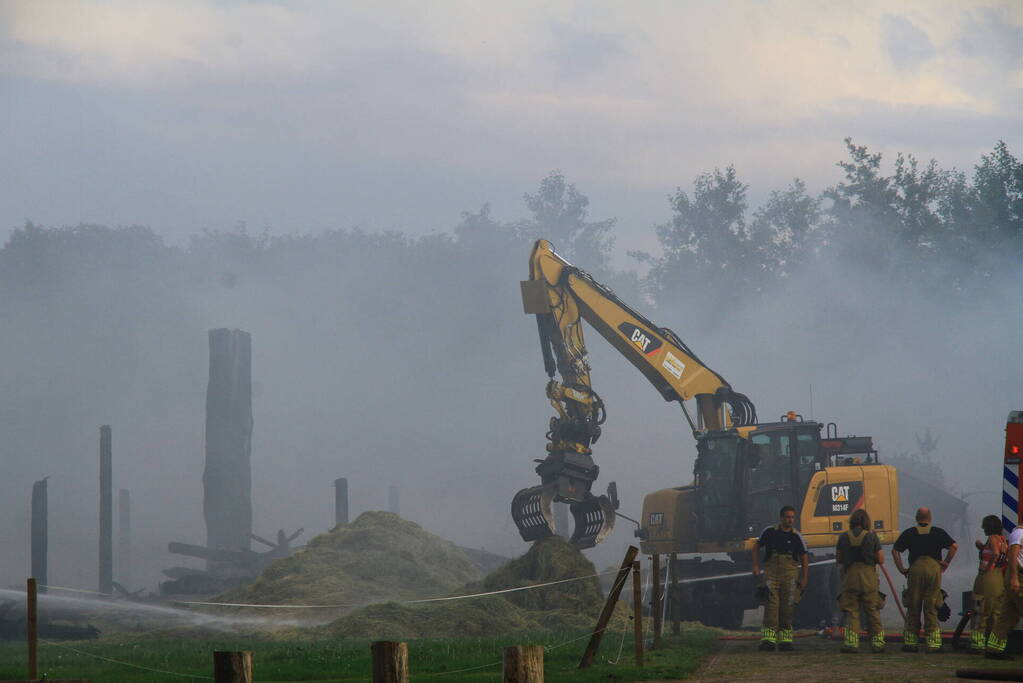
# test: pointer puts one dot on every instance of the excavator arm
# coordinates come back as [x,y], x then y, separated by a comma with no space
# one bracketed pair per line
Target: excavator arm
[562,296]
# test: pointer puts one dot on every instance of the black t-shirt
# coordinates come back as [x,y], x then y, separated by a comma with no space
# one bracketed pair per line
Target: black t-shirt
[929,544]
[778,542]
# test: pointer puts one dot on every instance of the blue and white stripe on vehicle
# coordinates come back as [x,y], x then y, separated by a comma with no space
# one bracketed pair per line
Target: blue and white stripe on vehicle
[1010,496]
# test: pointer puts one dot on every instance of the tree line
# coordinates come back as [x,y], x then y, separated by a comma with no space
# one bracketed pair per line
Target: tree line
[918,222]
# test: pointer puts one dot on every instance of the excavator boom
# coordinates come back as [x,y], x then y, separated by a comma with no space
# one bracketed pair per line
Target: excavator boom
[561,296]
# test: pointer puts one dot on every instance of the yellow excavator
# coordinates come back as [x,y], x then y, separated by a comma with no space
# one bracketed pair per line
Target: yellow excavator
[745,471]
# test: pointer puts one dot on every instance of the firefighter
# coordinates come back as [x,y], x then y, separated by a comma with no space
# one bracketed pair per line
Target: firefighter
[858,552]
[785,558]
[1012,600]
[923,585]
[989,586]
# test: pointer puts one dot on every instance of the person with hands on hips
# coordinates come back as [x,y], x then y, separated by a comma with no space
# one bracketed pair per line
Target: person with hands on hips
[785,558]
[923,578]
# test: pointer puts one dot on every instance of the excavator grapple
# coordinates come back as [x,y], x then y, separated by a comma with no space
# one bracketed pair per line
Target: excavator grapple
[531,512]
[594,516]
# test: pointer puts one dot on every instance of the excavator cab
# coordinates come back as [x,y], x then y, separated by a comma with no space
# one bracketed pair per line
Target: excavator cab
[744,477]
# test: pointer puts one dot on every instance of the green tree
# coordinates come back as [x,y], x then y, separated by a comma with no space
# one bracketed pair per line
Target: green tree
[707,241]
[559,213]
[787,230]
[998,183]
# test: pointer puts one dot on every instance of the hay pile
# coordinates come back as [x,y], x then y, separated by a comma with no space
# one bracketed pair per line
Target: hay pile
[378,557]
[562,608]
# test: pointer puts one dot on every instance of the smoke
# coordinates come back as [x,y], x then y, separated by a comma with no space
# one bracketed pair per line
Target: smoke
[408,362]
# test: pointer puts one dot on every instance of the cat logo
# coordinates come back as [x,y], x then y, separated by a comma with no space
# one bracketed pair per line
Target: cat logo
[656,518]
[843,499]
[645,341]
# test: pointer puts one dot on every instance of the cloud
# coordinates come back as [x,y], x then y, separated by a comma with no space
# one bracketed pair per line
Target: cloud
[251,101]
[994,35]
[578,53]
[907,46]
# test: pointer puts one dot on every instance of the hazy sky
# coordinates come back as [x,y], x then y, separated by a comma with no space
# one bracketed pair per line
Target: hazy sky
[303,115]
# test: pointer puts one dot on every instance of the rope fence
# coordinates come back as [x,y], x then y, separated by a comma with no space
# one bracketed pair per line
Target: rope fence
[401,602]
[128,664]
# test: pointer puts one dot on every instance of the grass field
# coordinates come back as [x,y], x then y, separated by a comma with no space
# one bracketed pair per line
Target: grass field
[349,660]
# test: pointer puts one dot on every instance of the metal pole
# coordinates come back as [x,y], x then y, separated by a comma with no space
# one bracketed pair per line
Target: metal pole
[637,611]
[673,596]
[655,597]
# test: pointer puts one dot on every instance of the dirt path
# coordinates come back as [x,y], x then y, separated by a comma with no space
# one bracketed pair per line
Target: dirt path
[816,659]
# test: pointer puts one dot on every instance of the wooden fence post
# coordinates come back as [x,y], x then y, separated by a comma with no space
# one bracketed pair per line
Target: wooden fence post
[637,610]
[523,664]
[656,606]
[232,667]
[390,662]
[31,621]
[674,598]
[609,606]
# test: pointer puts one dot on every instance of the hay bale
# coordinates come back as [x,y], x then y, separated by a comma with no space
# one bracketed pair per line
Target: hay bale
[378,557]
[471,618]
[563,608]
[549,559]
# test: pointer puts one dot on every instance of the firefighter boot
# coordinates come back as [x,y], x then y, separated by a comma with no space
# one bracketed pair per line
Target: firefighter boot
[934,643]
[977,642]
[768,638]
[996,648]
[877,643]
[852,642]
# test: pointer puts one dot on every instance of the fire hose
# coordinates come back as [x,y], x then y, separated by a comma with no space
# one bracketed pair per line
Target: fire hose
[895,594]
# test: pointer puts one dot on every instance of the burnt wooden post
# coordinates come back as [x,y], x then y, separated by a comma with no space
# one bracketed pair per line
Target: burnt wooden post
[106,512]
[124,538]
[390,662]
[673,595]
[31,621]
[392,500]
[40,533]
[341,501]
[656,606]
[227,478]
[523,664]
[232,667]
[637,611]
[609,606]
